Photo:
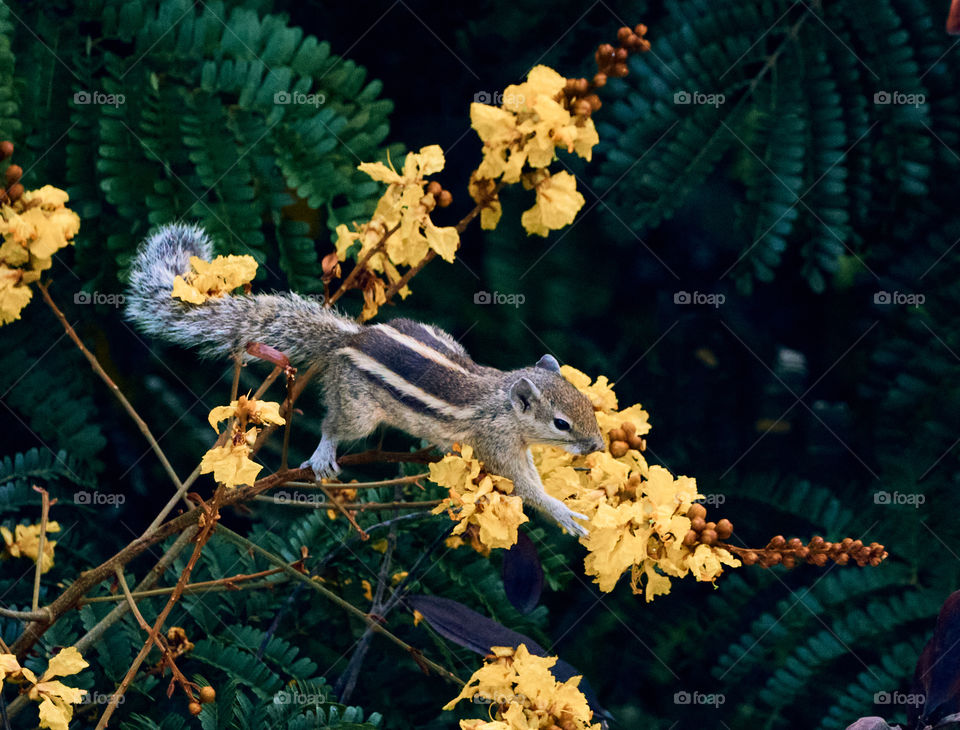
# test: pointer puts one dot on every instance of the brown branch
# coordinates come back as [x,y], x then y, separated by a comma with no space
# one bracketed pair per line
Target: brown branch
[41,542]
[361,265]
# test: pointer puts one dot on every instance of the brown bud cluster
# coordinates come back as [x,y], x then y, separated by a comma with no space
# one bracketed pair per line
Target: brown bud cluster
[207,694]
[703,532]
[438,196]
[12,187]
[625,438]
[579,94]
[788,553]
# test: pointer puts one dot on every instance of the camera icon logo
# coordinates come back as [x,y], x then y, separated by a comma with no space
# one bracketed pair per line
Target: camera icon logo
[681,698]
[482,297]
[82,97]
[882,97]
[82,497]
[881,497]
[281,97]
[281,497]
[682,97]
[482,97]
[881,698]
[881,297]
[681,297]
[81,297]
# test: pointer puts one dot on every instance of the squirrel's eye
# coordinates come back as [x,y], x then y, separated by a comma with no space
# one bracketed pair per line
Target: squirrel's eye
[561,425]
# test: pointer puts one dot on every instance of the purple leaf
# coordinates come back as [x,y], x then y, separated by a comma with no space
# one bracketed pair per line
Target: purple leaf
[523,574]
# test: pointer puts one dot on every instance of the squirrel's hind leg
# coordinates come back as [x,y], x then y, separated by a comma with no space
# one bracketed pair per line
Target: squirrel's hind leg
[340,424]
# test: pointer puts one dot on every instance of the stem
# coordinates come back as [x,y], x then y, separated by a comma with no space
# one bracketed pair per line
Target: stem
[361,264]
[98,369]
[228,583]
[41,543]
[364,485]
[247,545]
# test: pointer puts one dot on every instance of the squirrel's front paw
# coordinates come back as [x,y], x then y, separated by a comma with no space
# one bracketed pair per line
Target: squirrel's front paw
[567,522]
[323,461]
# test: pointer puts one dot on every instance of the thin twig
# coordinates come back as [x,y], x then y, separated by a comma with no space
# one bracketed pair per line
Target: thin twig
[361,265]
[98,369]
[363,485]
[41,543]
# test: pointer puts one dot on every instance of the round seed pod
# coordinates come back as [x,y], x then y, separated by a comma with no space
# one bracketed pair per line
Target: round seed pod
[724,529]
[697,510]
[636,442]
[207,694]
[6,149]
[708,537]
[698,524]
[13,174]
[629,428]
[690,539]
[194,708]
[618,434]
[446,197]
[619,449]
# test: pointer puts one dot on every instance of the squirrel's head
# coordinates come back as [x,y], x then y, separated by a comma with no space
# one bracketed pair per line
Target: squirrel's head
[552,411]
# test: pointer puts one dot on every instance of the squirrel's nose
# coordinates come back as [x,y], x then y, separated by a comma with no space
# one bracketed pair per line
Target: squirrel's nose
[596,445]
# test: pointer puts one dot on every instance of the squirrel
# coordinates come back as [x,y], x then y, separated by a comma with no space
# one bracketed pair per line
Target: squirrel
[412,376]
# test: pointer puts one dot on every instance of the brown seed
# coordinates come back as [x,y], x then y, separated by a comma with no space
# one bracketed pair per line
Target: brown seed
[749,558]
[6,149]
[207,694]
[618,434]
[582,108]
[619,449]
[698,524]
[708,537]
[842,559]
[194,708]
[619,70]
[621,54]
[777,542]
[636,442]
[816,541]
[629,428]
[604,50]
[434,188]
[15,191]
[802,552]
[818,559]
[640,29]
[724,529]
[774,558]
[794,542]
[446,197]
[789,561]
[13,174]
[710,526]
[599,80]
[583,86]
[624,34]
[690,538]
[697,510]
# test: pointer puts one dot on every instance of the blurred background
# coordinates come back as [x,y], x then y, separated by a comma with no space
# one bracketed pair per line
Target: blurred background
[767,260]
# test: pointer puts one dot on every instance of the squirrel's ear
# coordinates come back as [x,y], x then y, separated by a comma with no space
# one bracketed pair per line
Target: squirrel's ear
[523,393]
[549,362]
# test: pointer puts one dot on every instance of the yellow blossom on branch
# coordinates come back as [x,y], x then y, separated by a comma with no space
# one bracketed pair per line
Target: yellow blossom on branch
[56,699]
[478,499]
[24,542]
[523,694]
[400,232]
[213,279]
[557,203]
[231,464]
[33,227]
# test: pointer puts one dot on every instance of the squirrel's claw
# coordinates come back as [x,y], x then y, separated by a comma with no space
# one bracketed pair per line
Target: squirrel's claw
[323,461]
[574,528]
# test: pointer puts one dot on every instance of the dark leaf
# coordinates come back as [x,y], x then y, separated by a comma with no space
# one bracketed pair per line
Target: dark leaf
[523,574]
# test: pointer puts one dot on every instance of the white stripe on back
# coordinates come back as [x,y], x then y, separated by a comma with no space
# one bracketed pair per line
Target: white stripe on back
[419,348]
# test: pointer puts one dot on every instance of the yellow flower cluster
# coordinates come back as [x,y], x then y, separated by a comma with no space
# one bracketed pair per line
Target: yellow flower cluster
[524,695]
[524,132]
[231,464]
[403,217]
[481,503]
[34,227]
[56,699]
[24,542]
[212,279]
[638,513]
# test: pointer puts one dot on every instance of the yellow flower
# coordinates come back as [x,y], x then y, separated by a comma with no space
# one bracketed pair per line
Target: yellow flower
[24,542]
[230,464]
[487,504]
[33,228]
[56,699]
[246,410]
[9,666]
[212,279]
[526,693]
[557,204]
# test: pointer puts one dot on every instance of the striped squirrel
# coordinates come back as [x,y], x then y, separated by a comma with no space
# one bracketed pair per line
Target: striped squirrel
[412,376]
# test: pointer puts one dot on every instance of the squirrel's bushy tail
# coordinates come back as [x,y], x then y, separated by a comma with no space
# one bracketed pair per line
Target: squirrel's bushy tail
[300,327]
